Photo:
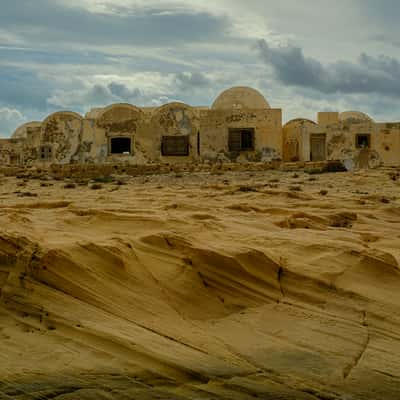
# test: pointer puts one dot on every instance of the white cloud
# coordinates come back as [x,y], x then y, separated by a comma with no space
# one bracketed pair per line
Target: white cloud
[8,38]
[9,114]
[9,119]
[87,53]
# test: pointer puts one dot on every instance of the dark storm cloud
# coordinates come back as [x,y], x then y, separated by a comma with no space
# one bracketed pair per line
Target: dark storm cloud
[191,80]
[367,75]
[56,56]
[123,92]
[48,21]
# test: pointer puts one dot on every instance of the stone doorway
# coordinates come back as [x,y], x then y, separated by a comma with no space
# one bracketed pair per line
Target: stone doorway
[318,147]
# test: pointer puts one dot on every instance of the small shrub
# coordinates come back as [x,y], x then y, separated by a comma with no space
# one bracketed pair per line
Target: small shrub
[323,192]
[247,189]
[103,179]
[95,186]
[27,194]
[343,220]
[334,166]
[69,185]
[331,166]
[313,171]
[295,188]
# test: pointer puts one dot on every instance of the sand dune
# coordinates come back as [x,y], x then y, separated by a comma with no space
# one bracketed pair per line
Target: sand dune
[237,285]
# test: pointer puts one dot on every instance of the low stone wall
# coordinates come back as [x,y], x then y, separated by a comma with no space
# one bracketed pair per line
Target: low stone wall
[101,170]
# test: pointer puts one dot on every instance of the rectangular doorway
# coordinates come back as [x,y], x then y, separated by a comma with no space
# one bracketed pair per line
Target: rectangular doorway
[318,147]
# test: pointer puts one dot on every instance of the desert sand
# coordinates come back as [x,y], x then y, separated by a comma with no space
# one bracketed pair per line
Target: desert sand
[230,285]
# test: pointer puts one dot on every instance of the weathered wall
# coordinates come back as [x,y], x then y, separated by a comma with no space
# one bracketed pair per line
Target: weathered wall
[22,131]
[341,140]
[11,151]
[67,138]
[215,125]
[328,118]
[174,119]
[386,142]
[61,132]
[295,137]
[240,98]
[118,120]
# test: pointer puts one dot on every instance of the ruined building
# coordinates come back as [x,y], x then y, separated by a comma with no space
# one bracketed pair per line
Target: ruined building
[239,126]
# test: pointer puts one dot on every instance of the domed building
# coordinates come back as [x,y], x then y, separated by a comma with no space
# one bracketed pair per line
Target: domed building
[22,131]
[240,98]
[240,126]
[351,137]
[354,117]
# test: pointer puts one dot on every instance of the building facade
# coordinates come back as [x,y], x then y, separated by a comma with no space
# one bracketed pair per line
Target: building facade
[352,137]
[240,126]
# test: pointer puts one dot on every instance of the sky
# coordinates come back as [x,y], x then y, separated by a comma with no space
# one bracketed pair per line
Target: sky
[305,56]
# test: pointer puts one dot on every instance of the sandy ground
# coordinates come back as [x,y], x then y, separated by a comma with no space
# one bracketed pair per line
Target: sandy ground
[272,285]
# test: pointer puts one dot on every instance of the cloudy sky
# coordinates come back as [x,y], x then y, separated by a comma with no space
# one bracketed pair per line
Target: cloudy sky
[305,56]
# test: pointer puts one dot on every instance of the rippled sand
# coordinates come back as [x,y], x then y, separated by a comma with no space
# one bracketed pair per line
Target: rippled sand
[272,285]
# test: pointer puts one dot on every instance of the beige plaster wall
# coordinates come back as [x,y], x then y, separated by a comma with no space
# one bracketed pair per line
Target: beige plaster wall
[74,139]
[341,141]
[214,130]
[174,119]
[62,132]
[11,151]
[295,136]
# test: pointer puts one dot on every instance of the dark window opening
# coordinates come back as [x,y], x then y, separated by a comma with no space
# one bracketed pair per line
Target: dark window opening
[363,141]
[241,139]
[121,145]
[175,146]
[14,159]
[45,152]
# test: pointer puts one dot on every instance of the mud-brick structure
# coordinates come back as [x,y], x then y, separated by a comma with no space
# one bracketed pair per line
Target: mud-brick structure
[352,137]
[240,126]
